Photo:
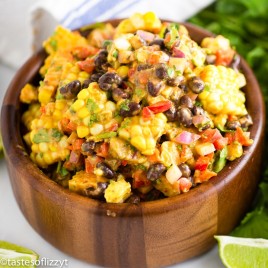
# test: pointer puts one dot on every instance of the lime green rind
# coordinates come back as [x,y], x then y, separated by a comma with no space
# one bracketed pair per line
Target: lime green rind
[12,255]
[243,252]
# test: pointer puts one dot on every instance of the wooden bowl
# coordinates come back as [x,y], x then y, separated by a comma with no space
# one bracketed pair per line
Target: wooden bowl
[151,234]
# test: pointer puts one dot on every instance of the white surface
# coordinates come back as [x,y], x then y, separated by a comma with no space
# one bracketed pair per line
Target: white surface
[14,228]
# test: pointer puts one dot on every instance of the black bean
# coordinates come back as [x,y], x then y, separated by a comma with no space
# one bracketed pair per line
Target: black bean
[133,199]
[97,192]
[88,147]
[85,83]
[158,41]
[186,101]
[109,81]
[185,116]
[95,76]
[155,171]
[144,66]
[106,169]
[119,93]
[233,125]
[71,90]
[171,114]
[161,71]
[197,110]
[174,82]
[101,58]
[153,89]
[196,84]
[129,108]
[185,170]
[245,121]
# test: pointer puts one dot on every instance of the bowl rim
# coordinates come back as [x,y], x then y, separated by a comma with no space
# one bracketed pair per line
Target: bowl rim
[13,145]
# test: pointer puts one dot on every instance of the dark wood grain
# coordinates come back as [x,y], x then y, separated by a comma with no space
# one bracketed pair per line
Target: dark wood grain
[152,234]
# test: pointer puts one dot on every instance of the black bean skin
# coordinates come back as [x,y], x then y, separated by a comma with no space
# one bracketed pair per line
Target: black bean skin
[245,121]
[233,125]
[101,58]
[71,90]
[155,171]
[144,66]
[173,82]
[130,109]
[106,169]
[196,84]
[95,76]
[186,101]
[153,89]
[109,81]
[171,114]
[133,199]
[161,72]
[197,110]
[88,147]
[96,192]
[158,41]
[185,116]
[185,170]
[119,93]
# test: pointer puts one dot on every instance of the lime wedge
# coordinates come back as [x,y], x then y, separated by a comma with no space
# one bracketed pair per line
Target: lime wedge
[12,255]
[236,252]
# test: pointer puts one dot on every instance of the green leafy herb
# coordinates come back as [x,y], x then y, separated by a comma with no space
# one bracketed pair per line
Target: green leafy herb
[124,105]
[248,33]
[41,136]
[92,106]
[106,135]
[53,43]
[56,134]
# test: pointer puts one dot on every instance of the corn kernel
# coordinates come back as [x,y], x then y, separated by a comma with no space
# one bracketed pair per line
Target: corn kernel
[82,131]
[136,131]
[43,147]
[35,148]
[83,112]
[122,71]
[78,104]
[96,129]
[110,106]
[123,133]
[83,94]
[60,105]
[47,158]
[138,142]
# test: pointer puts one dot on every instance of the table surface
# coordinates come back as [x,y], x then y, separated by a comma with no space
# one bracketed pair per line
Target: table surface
[14,227]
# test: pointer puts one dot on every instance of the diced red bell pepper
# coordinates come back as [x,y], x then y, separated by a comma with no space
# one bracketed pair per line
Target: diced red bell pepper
[242,137]
[147,113]
[224,57]
[87,65]
[160,106]
[77,144]
[220,143]
[83,52]
[140,179]
[91,162]
[103,149]
[202,163]
[211,135]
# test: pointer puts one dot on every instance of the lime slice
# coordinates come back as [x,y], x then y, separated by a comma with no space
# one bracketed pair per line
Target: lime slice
[236,252]
[12,255]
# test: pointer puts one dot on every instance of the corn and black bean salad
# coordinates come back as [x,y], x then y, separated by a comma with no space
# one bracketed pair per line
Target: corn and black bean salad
[136,112]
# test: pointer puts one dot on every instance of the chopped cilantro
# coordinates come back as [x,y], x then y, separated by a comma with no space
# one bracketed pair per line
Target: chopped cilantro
[41,136]
[54,44]
[91,105]
[125,123]
[106,135]
[115,54]
[56,134]
[124,105]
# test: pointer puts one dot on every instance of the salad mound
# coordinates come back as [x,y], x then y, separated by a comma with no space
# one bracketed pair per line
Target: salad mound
[136,112]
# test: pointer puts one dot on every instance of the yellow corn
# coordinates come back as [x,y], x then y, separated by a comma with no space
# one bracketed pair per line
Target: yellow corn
[63,39]
[28,94]
[142,134]
[234,150]
[32,113]
[42,154]
[83,180]
[117,191]
[222,94]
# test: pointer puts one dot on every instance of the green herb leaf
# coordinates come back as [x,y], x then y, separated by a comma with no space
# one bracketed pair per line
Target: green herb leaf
[41,136]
